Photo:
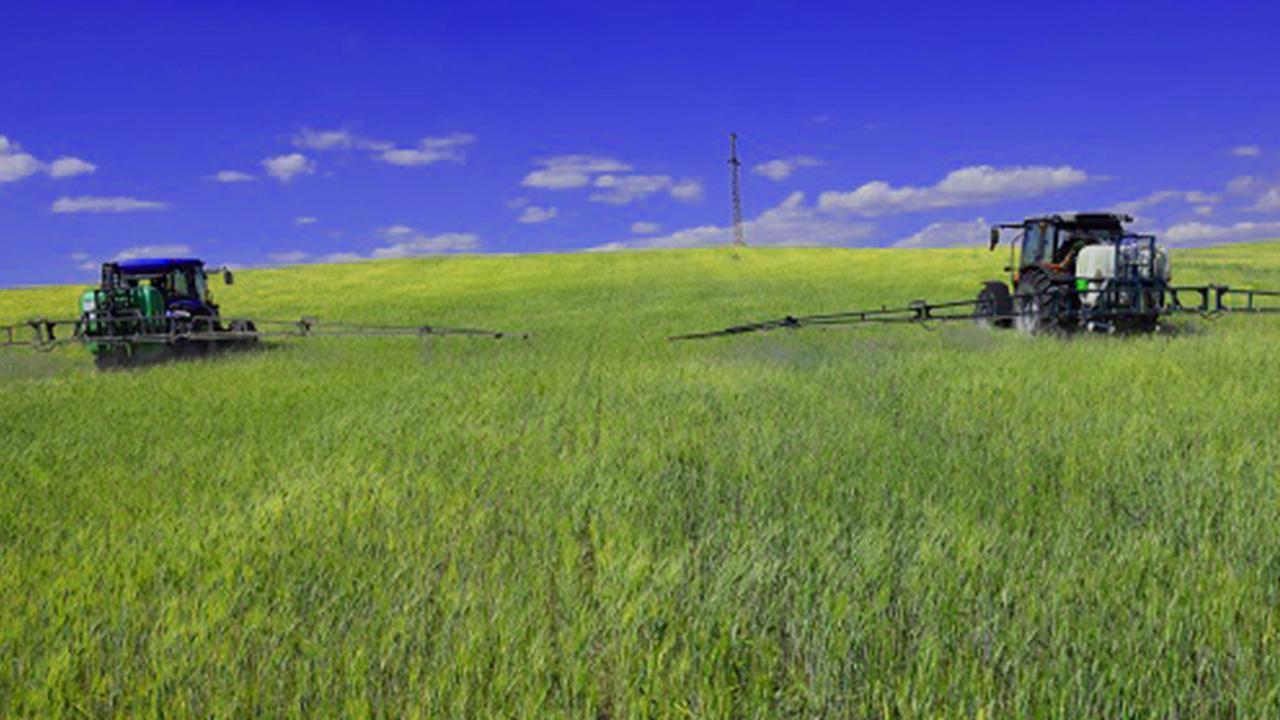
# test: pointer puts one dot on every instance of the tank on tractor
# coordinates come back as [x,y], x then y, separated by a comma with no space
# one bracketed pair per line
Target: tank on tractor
[1077,271]
[148,308]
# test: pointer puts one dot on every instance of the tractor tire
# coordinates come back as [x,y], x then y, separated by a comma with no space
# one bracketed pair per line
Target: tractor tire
[1038,305]
[994,307]
[111,358]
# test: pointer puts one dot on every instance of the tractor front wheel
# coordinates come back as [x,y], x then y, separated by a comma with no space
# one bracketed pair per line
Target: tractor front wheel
[994,307]
[1038,305]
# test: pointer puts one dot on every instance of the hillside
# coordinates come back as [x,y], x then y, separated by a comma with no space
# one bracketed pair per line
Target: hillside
[596,522]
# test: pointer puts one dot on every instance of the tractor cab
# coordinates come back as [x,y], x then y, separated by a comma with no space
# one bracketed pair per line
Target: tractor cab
[1078,270]
[181,283]
[1052,243]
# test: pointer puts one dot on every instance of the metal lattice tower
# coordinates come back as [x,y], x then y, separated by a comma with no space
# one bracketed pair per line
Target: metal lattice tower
[735,174]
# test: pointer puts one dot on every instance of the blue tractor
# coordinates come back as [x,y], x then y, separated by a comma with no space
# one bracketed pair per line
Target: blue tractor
[152,308]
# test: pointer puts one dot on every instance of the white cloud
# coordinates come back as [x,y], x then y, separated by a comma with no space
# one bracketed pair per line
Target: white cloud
[789,224]
[397,230]
[1159,197]
[289,258]
[416,244]
[536,214]
[83,261]
[429,151]
[1198,233]
[645,228]
[973,233]
[233,176]
[90,204]
[336,258]
[571,171]
[153,251]
[782,168]
[15,164]
[1269,202]
[966,186]
[1244,185]
[1203,210]
[286,167]
[305,220]
[67,166]
[324,139]
[1246,150]
[687,190]
[624,189]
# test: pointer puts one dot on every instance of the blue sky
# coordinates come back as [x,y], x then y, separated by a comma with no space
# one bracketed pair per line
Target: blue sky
[259,133]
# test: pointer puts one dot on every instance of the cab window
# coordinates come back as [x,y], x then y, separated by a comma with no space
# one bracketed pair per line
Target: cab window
[180,284]
[1034,243]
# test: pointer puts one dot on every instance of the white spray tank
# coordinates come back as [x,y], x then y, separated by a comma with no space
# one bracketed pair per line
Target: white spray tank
[1096,264]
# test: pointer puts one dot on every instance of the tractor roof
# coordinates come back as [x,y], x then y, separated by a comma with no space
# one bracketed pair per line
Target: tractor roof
[149,266]
[1083,219]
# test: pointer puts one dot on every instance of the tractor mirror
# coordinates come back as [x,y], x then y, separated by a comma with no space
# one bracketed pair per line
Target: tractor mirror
[995,238]
[228,277]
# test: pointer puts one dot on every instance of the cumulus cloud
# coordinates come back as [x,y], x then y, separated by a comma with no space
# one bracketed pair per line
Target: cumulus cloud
[687,190]
[67,166]
[972,233]
[645,228]
[396,230]
[305,220]
[1246,150]
[287,167]
[336,140]
[571,171]
[400,241]
[233,176]
[430,150]
[416,244]
[1198,233]
[1269,202]
[780,169]
[153,251]
[791,223]
[91,204]
[1160,197]
[966,186]
[15,164]
[626,189]
[536,214]
[1244,185]
[289,258]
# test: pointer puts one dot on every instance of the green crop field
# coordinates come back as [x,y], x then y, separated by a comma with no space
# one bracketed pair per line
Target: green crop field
[878,522]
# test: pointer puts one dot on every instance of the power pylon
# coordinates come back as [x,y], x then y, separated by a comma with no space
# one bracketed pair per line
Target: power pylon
[735,176]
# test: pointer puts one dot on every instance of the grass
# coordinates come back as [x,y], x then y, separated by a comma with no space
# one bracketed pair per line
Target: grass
[883,522]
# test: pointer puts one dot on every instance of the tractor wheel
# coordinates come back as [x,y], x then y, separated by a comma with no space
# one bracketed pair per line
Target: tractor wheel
[1038,305]
[110,358]
[994,306]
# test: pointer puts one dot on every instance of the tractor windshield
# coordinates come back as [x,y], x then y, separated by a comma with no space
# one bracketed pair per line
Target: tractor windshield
[179,282]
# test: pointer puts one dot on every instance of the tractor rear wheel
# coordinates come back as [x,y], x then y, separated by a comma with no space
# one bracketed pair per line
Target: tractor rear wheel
[994,306]
[1038,305]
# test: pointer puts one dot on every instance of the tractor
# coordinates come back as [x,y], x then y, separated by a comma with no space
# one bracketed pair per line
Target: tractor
[155,309]
[1077,271]
[1067,272]
[152,308]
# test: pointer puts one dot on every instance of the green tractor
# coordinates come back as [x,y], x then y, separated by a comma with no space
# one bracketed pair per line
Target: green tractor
[156,308]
